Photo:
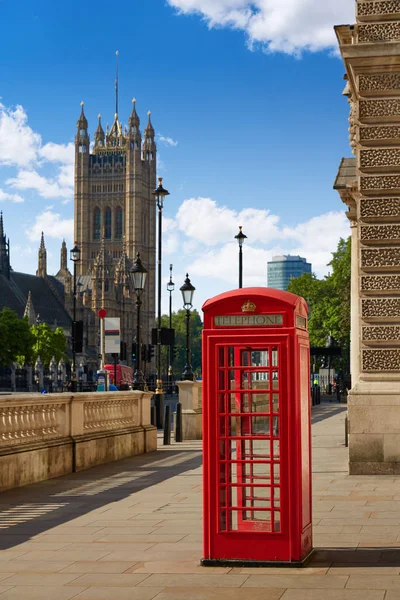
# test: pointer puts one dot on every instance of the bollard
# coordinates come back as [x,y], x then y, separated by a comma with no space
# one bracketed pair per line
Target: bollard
[153,416]
[318,395]
[346,432]
[167,426]
[178,423]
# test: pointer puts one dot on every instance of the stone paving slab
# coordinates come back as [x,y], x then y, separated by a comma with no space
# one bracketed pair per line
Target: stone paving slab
[133,529]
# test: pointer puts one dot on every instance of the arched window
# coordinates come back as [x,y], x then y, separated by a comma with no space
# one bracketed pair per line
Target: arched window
[96,224]
[107,224]
[118,223]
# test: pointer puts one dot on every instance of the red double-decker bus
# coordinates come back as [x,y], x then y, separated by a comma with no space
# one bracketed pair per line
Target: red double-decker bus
[124,375]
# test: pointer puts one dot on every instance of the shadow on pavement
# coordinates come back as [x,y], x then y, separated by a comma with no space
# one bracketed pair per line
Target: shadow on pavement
[325,411]
[355,557]
[34,509]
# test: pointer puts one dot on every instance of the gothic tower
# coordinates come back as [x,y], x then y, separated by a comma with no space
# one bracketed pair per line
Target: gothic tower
[115,212]
[42,259]
[4,251]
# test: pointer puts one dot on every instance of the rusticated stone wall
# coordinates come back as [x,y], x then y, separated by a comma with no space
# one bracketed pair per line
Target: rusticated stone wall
[371,55]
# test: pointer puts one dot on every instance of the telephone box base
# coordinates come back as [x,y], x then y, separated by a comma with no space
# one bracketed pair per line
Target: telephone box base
[226,562]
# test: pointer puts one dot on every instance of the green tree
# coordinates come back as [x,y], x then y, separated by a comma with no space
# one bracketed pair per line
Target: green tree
[16,338]
[48,343]
[328,300]
[179,324]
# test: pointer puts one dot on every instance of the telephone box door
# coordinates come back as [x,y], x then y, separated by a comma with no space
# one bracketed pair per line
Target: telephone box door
[248,425]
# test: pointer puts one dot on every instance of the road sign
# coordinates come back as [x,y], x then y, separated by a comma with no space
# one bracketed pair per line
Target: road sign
[102,313]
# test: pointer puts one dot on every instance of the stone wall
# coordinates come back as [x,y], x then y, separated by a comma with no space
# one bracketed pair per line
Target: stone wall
[45,436]
[371,54]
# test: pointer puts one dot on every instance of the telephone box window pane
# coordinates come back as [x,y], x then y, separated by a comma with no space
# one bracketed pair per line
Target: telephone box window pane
[222,472]
[275,403]
[260,381]
[221,380]
[258,515]
[276,473]
[260,426]
[277,522]
[275,382]
[222,520]
[231,356]
[277,498]
[275,426]
[222,450]
[233,520]
[260,403]
[222,426]
[245,359]
[222,496]
[256,450]
[221,403]
[260,358]
[274,357]
[251,473]
[245,381]
[234,429]
[221,357]
[276,449]
[232,382]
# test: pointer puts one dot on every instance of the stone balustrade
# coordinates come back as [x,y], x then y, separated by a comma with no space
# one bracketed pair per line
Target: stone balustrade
[48,435]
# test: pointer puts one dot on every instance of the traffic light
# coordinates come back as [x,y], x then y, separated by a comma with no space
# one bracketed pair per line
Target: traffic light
[150,352]
[174,351]
[122,352]
[134,351]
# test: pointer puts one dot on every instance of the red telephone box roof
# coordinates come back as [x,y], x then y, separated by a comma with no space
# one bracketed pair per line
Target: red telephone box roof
[291,300]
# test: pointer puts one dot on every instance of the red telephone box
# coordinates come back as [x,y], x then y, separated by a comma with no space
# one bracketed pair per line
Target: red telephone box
[256,429]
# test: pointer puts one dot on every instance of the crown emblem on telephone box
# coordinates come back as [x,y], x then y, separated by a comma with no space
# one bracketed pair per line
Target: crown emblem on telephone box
[248,306]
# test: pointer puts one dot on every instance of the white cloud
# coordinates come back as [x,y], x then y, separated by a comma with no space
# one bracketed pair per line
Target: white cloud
[59,153]
[289,26]
[19,143]
[167,141]
[47,188]
[15,198]
[203,220]
[211,251]
[53,225]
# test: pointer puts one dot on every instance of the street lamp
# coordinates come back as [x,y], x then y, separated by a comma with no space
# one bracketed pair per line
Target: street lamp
[160,193]
[170,288]
[187,294]
[240,237]
[138,275]
[75,255]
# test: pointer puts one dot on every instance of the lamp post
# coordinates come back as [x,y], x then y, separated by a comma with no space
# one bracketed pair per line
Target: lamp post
[240,237]
[187,294]
[160,193]
[138,275]
[170,288]
[75,255]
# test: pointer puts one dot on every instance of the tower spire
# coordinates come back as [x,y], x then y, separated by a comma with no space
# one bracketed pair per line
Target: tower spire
[116,84]
[1,225]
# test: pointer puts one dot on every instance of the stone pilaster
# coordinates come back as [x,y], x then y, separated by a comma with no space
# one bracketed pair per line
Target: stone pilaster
[371,53]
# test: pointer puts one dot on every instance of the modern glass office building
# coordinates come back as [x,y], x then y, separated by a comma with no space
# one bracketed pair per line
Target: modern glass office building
[284,268]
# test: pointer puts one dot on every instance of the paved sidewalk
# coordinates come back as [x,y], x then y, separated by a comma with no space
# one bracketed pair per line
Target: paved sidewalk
[132,530]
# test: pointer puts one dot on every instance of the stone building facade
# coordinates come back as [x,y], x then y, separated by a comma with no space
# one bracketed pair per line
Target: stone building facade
[370,187]
[114,219]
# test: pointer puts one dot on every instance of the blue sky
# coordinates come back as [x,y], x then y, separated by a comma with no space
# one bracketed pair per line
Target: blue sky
[252,124]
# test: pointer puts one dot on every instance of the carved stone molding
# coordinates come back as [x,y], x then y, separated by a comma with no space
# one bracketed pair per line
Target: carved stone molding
[380,283]
[379,207]
[381,333]
[389,132]
[382,308]
[389,107]
[380,82]
[379,32]
[385,7]
[381,360]
[378,233]
[380,182]
[380,258]
[379,157]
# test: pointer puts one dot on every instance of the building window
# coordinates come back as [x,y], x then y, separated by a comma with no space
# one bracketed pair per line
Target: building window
[107,224]
[118,223]
[96,224]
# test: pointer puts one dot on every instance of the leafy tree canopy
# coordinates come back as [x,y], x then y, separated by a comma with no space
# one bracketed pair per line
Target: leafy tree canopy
[179,324]
[16,339]
[328,300]
[47,343]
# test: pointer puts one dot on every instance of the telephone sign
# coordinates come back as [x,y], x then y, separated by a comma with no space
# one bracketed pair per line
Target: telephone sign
[256,429]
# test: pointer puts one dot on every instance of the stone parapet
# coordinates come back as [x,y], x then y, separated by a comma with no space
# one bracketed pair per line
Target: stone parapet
[190,396]
[44,436]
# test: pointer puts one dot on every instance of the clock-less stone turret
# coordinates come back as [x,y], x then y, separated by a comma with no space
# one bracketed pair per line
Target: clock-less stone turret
[370,186]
